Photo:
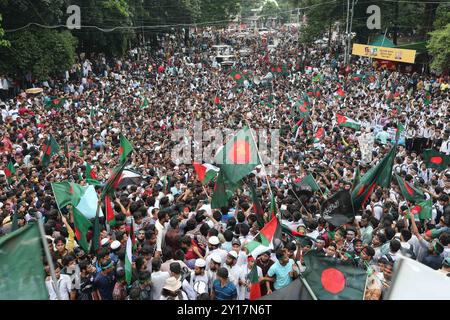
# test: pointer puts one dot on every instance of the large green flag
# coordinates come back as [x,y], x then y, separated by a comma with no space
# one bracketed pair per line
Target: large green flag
[237,76]
[330,279]
[67,193]
[436,159]
[309,181]
[49,149]
[114,179]
[380,175]
[409,192]
[125,148]
[223,191]
[82,225]
[22,275]
[238,157]
[423,209]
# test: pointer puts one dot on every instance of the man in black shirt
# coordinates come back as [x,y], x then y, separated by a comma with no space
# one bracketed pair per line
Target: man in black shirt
[104,281]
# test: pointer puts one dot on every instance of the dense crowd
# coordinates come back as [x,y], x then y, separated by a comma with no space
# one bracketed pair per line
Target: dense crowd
[184,249]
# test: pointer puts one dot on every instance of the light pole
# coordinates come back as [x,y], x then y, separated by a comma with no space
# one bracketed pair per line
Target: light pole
[346,33]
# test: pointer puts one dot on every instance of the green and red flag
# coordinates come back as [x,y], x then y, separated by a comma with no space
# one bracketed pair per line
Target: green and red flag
[317,92]
[9,171]
[273,209]
[82,225]
[344,121]
[317,78]
[427,100]
[238,76]
[223,191]
[409,192]
[264,240]
[21,265]
[51,103]
[379,175]
[114,180]
[91,176]
[257,208]
[319,135]
[125,148]
[357,77]
[217,102]
[399,131]
[331,280]
[49,149]
[255,287]
[436,159]
[308,181]
[110,217]
[297,125]
[238,157]
[423,209]
[206,172]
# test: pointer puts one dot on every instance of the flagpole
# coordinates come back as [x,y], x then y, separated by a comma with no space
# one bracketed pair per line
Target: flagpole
[259,157]
[49,257]
[299,200]
[308,287]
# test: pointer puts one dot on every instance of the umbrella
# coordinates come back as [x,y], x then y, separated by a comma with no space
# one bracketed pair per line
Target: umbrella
[34,90]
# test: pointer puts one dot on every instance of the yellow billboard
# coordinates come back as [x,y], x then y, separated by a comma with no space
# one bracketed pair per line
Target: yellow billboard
[393,54]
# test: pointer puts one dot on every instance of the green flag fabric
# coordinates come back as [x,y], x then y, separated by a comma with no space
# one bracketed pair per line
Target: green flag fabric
[49,149]
[238,157]
[409,192]
[309,181]
[257,208]
[145,103]
[125,148]
[223,191]
[10,171]
[82,225]
[330,279]
[91,177]
[21,265]
[114,179]
[436,159]
[423,209]
[237,76]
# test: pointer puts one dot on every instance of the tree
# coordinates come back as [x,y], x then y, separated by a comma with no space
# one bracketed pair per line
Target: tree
[439,48]
[42,52]
[3,42]
[270,10]
[223,11]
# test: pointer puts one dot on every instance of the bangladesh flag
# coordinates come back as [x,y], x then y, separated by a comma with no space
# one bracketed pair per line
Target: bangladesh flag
[9,171]
[51,103]
[317,92]
[49,148]
[82,225]
[264,240]
[217,102]
[319,135]
[427,99]
[255,288]
[308,181]
[145,104]
[297,125]
[257,208]
[357,77]
[317,78]
[423,209]
[399,131]
[436,159]
[110,217]
[223,191]
[378,175]
[125,148]
[237,76]
[369,78]
[344,121]
[329,279]
[206,172]
[114,180]
[409,192]
[239,156]
[91,176]
[21,265]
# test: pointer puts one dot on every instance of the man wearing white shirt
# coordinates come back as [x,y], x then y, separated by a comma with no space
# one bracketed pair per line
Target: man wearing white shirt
[63,285]
[160,225]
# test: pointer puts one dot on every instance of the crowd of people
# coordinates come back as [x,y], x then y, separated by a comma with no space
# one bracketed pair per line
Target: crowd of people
[185,250]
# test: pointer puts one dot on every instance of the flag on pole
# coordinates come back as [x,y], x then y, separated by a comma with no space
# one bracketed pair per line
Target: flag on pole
[223,191]
[238,157]
[125,148]
[110,217]
[237,76]
[128,260]
[331,280]
[427,100]
[264,240]
[257,208]
[319,135]
[10,171]
[49,149]
[206,172]
[255,288]
[338,209]
[409,192]
[344,121]
[91,176]
[51,103]
[423,209]
[21,265]
[114,180]
[309,181]
[82,225]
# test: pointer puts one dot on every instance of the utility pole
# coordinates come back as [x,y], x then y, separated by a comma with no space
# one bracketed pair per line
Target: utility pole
[346,33]
[349,32]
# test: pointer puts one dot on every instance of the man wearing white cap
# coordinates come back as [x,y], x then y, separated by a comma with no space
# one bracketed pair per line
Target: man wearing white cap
[212,267]
[199,279]
[234,271]
[214,248]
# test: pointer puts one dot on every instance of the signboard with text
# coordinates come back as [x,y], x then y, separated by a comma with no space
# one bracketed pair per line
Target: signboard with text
[392,54]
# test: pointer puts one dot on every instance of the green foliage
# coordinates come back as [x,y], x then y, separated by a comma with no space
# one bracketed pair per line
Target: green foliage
[442,16]
[439,48]
[42,52]
[3,43]
[214,10]
[270,10]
